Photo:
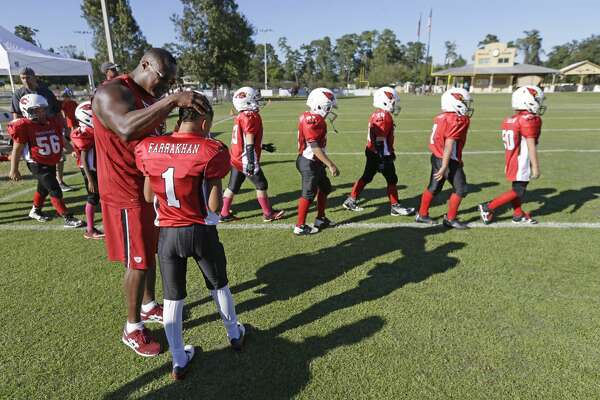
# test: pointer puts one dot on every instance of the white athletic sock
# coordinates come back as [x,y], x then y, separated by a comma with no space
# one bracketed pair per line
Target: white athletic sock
[130,327]
[226,308]
[149,306]
[173,322]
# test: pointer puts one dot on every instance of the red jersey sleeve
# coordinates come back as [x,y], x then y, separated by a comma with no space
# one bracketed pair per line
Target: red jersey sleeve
[250,123]
[140,153]
[82,140]
[381,123]
[18,131]
[218,166]
[530,126]
[314,129]
[456,128]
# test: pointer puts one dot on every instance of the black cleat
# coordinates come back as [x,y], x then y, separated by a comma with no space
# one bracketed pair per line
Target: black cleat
[238,344]
[304,230]
[455,223]
[323,223]
[228,218]
[179,373]
[352,205]
[524,219]
[38,215]
[398,210]
[72,222]
[425,219]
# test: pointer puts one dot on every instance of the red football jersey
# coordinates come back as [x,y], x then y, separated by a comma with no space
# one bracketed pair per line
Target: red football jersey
[381,124]
[246,123]
[178,166]
[449,125]
[312,128]
[43,142]
[515,131]
[119,180]
[68,107]
[83,139]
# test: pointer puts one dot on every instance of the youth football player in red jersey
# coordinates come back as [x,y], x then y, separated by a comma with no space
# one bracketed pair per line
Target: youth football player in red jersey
[82,139]
[520,134]
[39,139]
[126,109]
[380,152]
[184,172]
[246,146]
[312,160]
[446,143]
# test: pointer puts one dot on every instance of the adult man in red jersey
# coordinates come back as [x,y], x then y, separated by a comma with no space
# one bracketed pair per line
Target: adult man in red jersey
[126,110]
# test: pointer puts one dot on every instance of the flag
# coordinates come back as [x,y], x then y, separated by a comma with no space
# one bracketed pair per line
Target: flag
[429,20]
[419,29]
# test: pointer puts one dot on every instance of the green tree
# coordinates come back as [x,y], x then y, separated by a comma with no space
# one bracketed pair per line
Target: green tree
[275,71]
[129,44]
[346,48]
[27,33]
[324,61]
[451,54]
[214,41]
[308,66]
[458,62]
[531,45]
[388,49]
[489,38]
[293,61]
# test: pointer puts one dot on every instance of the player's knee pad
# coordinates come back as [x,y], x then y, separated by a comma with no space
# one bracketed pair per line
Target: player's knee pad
[260,182]
[308,194]
[56,193]
[93,199]
[435,187]
[325,186]
[391,178]
[461,190]
[367,178]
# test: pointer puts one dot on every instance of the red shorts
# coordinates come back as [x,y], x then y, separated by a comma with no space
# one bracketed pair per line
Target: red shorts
[131,236]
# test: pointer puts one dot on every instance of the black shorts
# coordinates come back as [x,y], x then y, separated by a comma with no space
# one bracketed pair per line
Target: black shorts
[237,177]
[519,187]
[92,198]
[202,243]
[456,176]
[46,177]
[372,168]
[314,177]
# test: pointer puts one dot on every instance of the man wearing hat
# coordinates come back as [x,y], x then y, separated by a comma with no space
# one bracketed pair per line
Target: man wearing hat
[32,85]
[110,70]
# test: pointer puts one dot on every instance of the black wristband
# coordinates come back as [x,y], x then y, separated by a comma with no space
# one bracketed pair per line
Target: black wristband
[250,153]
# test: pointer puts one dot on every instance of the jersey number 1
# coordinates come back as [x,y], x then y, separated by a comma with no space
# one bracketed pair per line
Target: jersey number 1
[169,176]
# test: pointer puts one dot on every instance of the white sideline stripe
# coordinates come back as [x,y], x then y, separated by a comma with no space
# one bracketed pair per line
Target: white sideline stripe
[401,131]
[223,120]
[357,225]
[32,189]
[418,153]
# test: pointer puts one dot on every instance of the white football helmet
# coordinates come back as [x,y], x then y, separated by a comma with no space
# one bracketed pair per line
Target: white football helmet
[83,113]
[29,103]
[387,99]
[457,100]
[321,101]
[529,98]
[247,99]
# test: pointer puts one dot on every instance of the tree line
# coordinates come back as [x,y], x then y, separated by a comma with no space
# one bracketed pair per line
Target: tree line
[215,46]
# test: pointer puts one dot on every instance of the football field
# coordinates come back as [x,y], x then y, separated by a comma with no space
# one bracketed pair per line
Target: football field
[375,308]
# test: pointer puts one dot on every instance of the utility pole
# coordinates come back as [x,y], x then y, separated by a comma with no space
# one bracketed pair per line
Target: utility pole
[264,31]
[111,56]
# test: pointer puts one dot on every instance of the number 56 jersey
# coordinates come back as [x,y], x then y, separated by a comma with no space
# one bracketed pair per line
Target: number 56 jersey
[43,141]
[515,131]
[177,167]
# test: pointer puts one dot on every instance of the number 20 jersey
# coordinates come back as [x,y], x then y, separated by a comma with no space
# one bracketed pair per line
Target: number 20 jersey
[177,167]
[515,131]
[43,142]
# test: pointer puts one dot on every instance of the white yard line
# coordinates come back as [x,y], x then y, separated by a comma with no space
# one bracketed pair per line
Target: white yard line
[21,192]
[419,153]
[357,225]
[401,131]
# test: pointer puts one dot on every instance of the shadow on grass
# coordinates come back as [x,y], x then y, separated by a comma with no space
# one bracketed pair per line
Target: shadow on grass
[270,367]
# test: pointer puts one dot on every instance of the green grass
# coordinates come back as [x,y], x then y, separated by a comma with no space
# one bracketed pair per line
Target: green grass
[349,313]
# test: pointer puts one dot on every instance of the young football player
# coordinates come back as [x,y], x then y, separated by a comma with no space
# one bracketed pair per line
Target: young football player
[82,139]
[520,134]
[448,138]
[380,152]
[184,171]
[312,160]
[39,140]
[246,146]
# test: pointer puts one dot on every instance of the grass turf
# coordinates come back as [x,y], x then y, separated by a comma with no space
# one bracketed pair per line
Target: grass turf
[348,313]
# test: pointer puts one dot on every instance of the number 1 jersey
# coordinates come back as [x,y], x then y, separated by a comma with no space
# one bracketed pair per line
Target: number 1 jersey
[177,167]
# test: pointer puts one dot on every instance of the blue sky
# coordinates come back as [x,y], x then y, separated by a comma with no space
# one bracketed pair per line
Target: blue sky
[303,21]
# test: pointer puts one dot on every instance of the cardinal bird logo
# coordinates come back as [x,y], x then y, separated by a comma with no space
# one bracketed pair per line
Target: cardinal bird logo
[241,95]
[532,92]
[389,95]
[458,96]
[329,95]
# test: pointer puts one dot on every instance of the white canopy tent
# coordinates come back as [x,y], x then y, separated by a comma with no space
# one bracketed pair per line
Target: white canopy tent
[16,53]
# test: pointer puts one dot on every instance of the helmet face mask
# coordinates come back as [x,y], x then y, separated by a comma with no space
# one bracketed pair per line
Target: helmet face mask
[322,101]
[83,113]
[247,99]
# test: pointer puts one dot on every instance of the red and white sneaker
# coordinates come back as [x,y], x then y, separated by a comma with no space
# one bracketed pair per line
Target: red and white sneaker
[94,235]
[154,315]
[274,216]
[141,342]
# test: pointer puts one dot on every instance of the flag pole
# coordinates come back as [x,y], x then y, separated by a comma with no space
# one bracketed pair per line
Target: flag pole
[428,38]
